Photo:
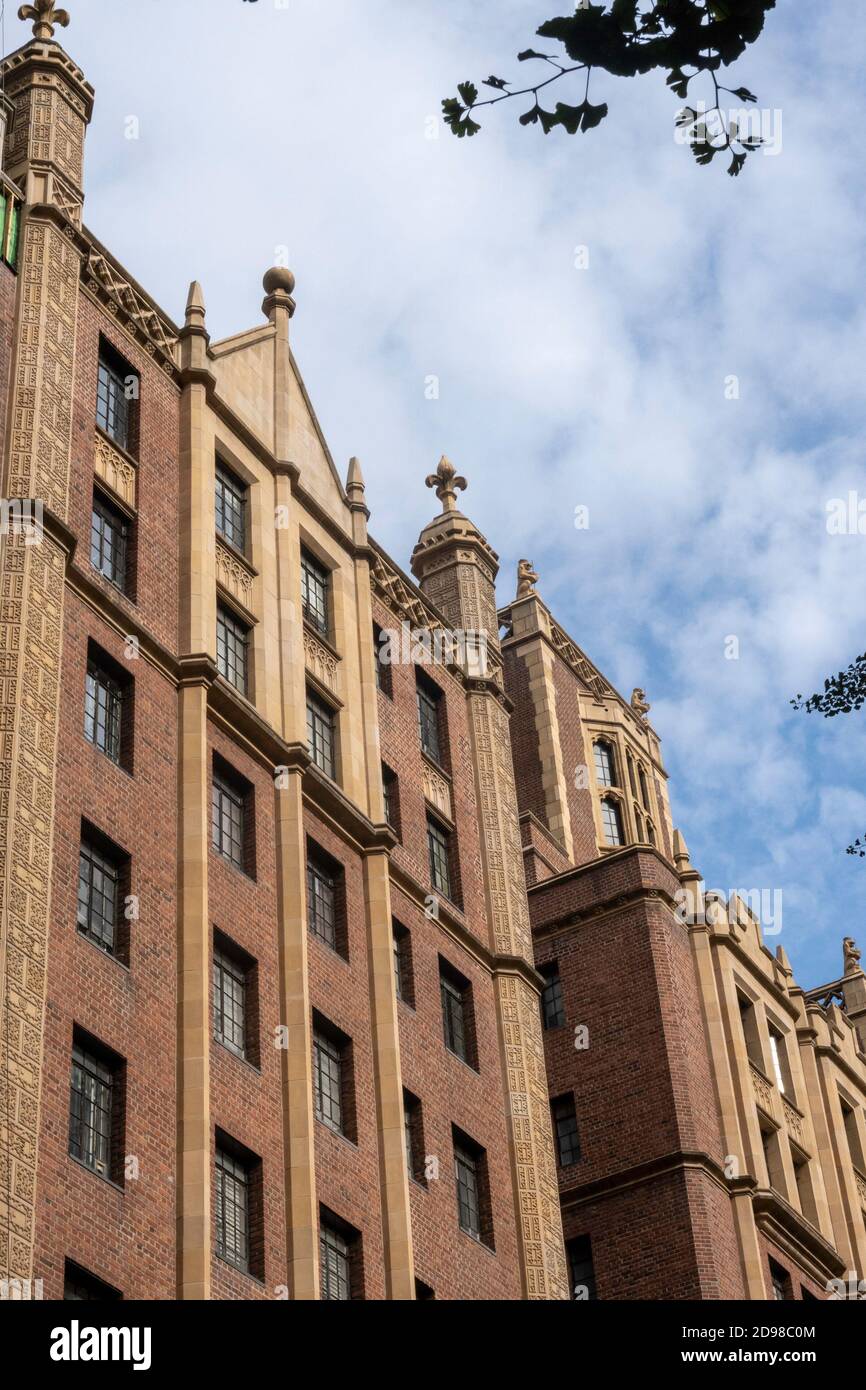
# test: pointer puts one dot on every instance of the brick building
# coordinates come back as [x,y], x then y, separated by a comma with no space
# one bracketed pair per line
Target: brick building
[348,949]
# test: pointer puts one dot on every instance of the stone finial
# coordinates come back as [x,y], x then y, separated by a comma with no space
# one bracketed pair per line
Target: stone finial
[446,480]
[681,853]
[355,481]
[851,957]
[278,284]
[526,579]
[640,703]
[195,310]
[44,15]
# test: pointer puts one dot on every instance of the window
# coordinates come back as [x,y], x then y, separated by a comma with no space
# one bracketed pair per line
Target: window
[109,535]
[332,1077]
[781,1283]
[116,394]
[473,1195]
[314,592]
[403,981]
[103,709]
[95,1109]
[232,638]
[101,875]
[552,1006]
[381,666]
[751,1033]
[631,777]
[326,915]
[439,853]
[413,1128]
[781,1070]
[650,831]
[458,1023]
[320,734]
[235,1022]
[231,508]
[852,1133]
[644,789]
[232,828]
[605,765]
[581,1269]
[391,798]
[565,1128]
[9,228]
[238,1206]
[611,821]
[339,1259]
[81,1287]
[429,704]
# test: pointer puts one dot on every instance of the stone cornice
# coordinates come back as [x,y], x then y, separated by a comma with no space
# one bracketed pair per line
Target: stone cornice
[613,1183]
[796,1236]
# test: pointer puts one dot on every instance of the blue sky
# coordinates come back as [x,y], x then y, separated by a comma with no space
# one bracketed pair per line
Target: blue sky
[305,126]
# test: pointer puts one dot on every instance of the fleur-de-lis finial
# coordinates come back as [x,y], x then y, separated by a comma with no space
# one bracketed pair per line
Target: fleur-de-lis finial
[44,15]
[446,480]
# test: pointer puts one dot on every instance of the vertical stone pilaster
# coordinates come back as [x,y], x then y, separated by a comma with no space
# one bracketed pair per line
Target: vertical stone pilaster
[397,1226]
[302,1217]
[42,83]
[194,1224]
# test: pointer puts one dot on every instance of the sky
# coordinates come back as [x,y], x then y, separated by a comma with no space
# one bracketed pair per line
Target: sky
[609,326]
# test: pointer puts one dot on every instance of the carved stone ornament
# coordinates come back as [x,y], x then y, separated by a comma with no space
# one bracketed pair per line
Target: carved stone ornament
[44,15]
[526,578]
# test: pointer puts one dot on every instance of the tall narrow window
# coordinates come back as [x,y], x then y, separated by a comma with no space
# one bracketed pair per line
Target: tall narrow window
[326,916]
[109,534]
[439,854]
[781,1069]
[231,819]
[232,1209]
[565,1128]
[605,765]
[340,1261]
[116,393]
[474,1214]
[751,1032]
[231,508]
[552,1006]
[233,998]
[332,1077]
[381,665]
[611,821]
[232,639]
[391,798]
[320,734]
[852,1133]
[458,1022]
[581,1269]
[94,1106]
[413,1130]
[429,720]
[103,707]
[644,789]
[101,871]
[314,592]
[403,964]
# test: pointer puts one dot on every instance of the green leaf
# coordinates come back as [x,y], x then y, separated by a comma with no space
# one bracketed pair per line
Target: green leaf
[469,92]
[736,164]
[530,117]
[744,94]
[529,53]
[498,82]
[625,14]
[593,115]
